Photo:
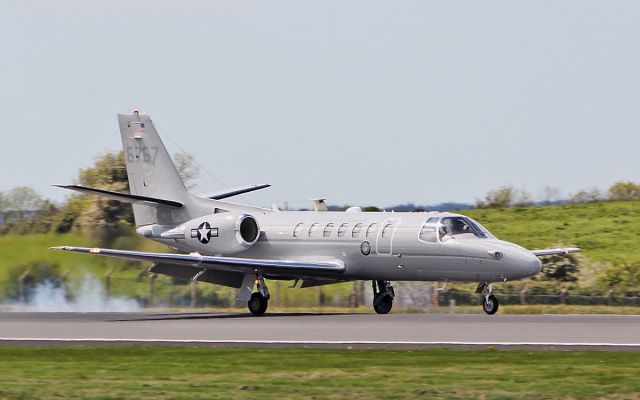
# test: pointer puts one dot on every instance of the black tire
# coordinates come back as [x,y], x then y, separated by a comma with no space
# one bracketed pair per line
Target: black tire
[490,304]
[384,305]
[257,304]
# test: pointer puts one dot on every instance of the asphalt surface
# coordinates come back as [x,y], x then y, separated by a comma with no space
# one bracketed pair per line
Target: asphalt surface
[614,332]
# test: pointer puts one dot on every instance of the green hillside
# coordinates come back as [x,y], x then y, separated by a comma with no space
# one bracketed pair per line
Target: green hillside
[608,232]
[16,251]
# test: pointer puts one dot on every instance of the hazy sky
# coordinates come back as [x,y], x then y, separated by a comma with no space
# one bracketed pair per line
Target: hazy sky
[363,102]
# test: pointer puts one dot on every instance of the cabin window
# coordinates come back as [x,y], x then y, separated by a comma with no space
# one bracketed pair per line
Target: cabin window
[342,229]
[297,229]
[313,228]
[371,230]
[432,220]
[386,231]
[327,230]
[428,233]
[356,230]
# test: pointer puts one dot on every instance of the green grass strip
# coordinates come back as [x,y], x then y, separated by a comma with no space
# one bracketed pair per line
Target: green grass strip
[197,373]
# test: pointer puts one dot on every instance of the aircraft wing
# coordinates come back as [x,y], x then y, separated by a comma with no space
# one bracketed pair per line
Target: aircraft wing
[550,252]
[278,267]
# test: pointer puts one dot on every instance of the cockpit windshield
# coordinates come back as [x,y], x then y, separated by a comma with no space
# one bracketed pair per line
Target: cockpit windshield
[453,226]
[442,229]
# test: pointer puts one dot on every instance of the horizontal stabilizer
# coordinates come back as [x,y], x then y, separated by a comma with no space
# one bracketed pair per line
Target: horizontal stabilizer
[550,252]
[234,192]
[124,197]
[276,267]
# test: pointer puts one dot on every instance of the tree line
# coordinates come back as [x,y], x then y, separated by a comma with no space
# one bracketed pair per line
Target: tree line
[509,196]
[23,210]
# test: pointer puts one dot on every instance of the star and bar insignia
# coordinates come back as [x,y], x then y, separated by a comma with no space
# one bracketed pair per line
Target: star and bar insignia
[204,233]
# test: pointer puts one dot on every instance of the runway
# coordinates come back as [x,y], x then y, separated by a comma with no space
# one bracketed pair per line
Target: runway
[614,332]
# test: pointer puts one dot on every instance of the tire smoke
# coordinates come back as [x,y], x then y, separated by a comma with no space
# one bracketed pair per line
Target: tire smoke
[91,297]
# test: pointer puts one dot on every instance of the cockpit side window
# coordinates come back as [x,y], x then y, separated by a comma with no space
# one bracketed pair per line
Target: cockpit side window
[428,233]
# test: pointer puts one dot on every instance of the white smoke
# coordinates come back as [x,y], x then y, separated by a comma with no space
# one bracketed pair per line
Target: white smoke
[91,297]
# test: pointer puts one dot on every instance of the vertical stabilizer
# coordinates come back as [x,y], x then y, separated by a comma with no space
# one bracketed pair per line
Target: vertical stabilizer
[150,169]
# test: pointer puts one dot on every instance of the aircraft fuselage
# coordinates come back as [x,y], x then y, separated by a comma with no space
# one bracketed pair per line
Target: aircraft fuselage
[378,245]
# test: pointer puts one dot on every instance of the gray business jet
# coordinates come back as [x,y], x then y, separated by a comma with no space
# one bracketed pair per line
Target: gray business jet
[240,246]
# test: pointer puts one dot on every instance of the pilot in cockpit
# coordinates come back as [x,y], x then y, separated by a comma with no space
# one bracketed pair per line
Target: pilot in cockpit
[453,226]
[446,229]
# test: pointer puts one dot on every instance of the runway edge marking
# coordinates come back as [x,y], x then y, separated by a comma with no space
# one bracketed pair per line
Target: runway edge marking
[318,342]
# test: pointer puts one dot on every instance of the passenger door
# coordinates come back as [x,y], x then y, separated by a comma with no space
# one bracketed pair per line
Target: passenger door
[384,241]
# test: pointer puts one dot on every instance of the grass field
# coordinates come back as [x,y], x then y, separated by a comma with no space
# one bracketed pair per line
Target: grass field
[608,232]
[192,373]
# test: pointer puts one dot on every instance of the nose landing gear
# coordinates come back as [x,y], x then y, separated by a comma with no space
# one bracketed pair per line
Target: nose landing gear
[383,296]
[490,302]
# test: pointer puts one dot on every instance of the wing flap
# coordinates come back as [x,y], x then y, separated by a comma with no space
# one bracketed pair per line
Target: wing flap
[290,267]
[550,252]
[224,278]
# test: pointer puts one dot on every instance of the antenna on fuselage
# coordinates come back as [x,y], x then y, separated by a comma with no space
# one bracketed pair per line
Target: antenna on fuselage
[320,204]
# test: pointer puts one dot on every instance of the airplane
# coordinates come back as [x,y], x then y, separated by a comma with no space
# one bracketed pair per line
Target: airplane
[240,246]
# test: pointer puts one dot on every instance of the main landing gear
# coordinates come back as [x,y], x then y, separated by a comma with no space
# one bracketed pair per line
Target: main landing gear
[259,300]
[383,295]
[490,302]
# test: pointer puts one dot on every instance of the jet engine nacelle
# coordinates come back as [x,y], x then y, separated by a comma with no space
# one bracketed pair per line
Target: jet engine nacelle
[225,233]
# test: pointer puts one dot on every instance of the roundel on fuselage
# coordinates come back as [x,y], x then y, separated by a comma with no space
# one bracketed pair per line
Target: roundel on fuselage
[365,248]
[204,232]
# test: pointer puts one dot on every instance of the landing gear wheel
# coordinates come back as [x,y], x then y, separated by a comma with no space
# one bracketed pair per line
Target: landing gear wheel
[258,304]
[490,304]
[383,306]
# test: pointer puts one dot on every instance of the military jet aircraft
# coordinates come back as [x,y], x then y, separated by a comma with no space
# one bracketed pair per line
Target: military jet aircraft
[239,246]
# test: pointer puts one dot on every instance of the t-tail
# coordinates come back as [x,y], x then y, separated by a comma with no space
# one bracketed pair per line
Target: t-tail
[157,192]
[151,171]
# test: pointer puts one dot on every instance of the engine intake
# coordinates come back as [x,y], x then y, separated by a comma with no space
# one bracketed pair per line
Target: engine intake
[247,227]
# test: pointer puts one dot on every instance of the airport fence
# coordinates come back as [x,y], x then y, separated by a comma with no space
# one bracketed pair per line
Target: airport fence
[111,293]
[460,298]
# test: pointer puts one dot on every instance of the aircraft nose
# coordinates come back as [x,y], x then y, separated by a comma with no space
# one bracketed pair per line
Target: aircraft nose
[517,262]
[531,264]
[521,262]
